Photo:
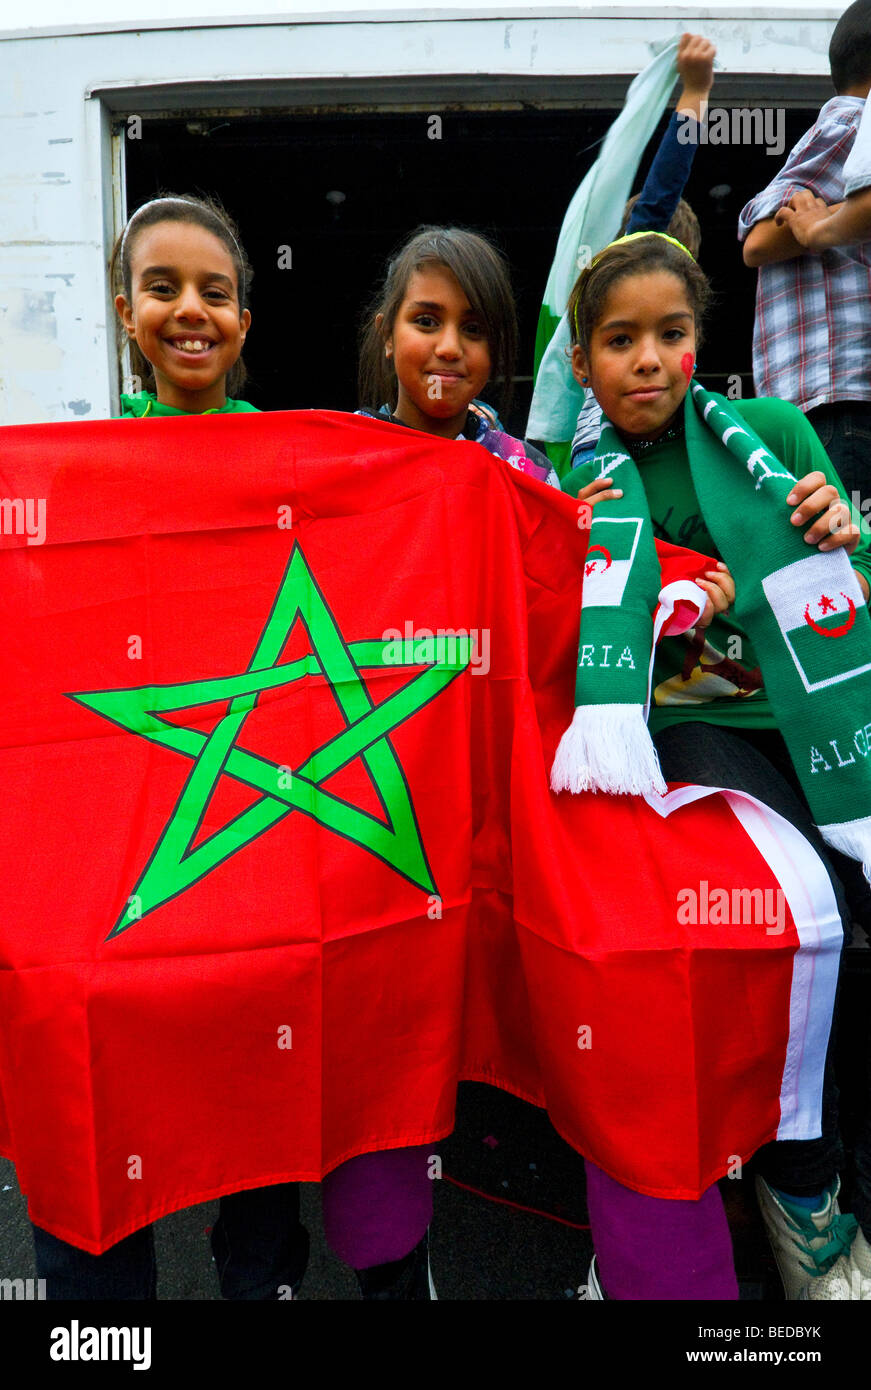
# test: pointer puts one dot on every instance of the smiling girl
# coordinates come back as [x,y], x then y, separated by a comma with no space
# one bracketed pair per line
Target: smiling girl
[183,282]
[442,325]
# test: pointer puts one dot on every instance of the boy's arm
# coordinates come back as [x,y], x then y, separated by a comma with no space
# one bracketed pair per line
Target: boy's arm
[673,160]
[766,243]
[816,226]
[819,227]
[849,221]
[809,167]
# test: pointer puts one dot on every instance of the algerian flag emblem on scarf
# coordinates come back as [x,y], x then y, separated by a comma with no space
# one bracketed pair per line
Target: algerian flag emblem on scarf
[613,543]
[807,619]
[817,613]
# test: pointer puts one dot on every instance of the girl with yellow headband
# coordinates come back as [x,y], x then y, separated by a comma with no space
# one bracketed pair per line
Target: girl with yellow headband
[635,316]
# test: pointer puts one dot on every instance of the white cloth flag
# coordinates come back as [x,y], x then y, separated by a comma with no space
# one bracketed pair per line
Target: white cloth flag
[591,222]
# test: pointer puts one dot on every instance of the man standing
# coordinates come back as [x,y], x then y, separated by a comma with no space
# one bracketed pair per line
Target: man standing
[812,335]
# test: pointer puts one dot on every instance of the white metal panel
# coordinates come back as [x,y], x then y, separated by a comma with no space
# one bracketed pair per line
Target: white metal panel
[56,182]
[54,15]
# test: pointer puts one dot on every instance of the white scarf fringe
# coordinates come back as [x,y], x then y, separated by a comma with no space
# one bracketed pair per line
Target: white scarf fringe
[607,748]
[853,838]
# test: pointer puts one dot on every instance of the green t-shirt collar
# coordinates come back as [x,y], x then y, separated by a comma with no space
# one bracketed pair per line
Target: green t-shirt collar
[145,403]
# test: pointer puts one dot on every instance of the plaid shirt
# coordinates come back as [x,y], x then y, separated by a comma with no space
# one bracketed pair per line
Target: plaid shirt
[812,335]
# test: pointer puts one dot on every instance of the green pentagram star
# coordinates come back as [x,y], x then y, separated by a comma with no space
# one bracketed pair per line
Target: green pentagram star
[174,865]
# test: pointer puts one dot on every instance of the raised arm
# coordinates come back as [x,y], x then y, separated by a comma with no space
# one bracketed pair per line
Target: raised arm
[664,185]
[695,66]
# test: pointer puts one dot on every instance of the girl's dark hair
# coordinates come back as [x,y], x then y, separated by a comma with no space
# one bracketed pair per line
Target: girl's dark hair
[684,225]
[207,213]
[638,257]
[482,274]
[850,48]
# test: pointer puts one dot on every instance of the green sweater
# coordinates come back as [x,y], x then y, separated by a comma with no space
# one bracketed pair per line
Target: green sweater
[146,403]
[715,675]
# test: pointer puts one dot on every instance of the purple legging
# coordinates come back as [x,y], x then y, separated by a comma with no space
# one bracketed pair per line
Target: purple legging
[378,1206]
[654,1248]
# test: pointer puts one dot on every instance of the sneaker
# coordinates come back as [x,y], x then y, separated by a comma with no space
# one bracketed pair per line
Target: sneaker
[848,1278]
[806,1244]
[408,1279]
[594,1291]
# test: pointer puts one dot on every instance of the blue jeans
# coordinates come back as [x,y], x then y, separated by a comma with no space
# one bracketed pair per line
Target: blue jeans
[862,1172]
[260,1250]
[844,429]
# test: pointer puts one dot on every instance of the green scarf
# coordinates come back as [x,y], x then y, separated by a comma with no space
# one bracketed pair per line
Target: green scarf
[804,612]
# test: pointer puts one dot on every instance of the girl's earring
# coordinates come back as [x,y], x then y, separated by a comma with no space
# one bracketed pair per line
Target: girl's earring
[584,380]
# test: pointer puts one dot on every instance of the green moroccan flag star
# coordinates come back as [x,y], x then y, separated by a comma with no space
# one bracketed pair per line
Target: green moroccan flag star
[174,865]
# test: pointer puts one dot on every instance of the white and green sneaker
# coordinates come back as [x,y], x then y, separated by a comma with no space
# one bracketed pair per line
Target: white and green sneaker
[848,1278]
[806,1244]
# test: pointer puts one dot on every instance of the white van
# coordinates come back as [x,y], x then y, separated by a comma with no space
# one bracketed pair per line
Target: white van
[329,135]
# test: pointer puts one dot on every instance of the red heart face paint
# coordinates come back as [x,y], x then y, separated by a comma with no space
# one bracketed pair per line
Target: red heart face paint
[687,362]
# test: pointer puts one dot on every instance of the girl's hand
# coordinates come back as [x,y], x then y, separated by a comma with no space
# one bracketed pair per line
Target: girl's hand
[719,586]
[834,527]
[599,490]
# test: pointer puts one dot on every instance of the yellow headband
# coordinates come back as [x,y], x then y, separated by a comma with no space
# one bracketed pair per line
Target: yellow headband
[621,241]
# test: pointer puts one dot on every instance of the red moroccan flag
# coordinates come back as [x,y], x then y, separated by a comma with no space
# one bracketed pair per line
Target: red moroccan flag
[280,860]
